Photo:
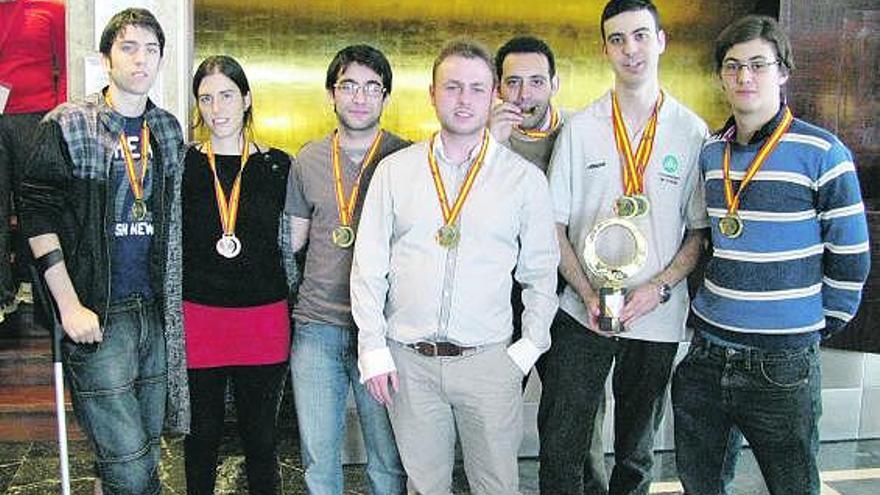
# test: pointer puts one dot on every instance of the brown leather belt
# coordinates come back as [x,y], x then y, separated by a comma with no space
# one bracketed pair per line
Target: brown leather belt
[439,349]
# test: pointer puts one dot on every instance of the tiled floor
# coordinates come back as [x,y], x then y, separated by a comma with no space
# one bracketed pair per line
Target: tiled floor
[849,468]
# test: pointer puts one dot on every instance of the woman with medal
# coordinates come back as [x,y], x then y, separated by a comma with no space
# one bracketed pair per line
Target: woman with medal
[234,285]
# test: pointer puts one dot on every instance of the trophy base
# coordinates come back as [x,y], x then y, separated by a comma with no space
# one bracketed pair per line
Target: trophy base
[611,301]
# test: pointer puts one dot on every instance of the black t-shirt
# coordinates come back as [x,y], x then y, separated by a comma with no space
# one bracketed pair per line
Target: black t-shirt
[256,276]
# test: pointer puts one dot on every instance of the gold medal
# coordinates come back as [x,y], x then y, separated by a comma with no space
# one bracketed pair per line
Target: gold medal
[342,236]
[634,164]
[642,205]
[135,177]
[448,236]
[626,207]
[139,210]
[730,226]
[533,134]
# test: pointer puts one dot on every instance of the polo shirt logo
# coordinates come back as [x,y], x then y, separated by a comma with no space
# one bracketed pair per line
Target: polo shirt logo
[670,170]
[670,165]
[596,165]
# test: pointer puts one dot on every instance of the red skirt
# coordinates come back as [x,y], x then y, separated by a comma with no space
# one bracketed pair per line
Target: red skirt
[254,335]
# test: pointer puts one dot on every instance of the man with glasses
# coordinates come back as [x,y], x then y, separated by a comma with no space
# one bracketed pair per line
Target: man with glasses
[790,259]
[630,157]
[325,193]
[444,223]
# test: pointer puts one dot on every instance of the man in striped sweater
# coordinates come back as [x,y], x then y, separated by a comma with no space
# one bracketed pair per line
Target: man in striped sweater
[790,258]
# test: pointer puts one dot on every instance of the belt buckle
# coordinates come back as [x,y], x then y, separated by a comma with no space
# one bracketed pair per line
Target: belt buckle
[428,349]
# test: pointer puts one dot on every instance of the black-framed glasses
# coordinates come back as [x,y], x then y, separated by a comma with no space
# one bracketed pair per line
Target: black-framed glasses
[731,68]
[372,89]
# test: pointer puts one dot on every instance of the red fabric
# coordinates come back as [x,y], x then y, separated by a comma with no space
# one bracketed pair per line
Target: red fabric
[34,44]
[249,336]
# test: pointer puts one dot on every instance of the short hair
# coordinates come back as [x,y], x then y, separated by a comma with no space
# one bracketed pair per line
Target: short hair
[142,18]
[464,48]
[365,55]
[229,67]
[615,7]
[524,44]
[752,27]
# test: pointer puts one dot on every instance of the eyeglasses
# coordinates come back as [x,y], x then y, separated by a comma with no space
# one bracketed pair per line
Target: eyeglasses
[372,90]
[731,68]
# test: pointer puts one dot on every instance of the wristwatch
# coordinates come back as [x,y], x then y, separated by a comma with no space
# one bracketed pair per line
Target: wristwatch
[665,291]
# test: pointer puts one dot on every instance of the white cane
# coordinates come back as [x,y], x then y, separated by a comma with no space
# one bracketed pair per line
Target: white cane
[60,411]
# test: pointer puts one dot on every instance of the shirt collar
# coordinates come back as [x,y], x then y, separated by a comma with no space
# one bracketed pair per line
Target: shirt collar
[761,134]
[440,151]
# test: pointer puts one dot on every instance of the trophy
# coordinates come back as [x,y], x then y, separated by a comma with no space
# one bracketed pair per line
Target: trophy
[623,234]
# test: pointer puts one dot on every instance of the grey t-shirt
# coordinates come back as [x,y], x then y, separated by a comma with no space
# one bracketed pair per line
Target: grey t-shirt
[311,194]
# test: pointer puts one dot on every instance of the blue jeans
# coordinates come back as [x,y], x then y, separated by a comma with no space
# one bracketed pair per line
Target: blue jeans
[323,365]
[772,396]
[118,391]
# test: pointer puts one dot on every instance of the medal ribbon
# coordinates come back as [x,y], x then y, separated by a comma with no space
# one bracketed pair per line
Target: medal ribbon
[346,209]
[536,134]
[135,180]
[634,166]
[450,215]
[732,198]
[228,209]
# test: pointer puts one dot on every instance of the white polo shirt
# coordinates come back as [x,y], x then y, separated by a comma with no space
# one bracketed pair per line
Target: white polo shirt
[586,177]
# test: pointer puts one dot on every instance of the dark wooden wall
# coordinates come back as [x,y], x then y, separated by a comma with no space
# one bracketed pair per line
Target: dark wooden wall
[835,84]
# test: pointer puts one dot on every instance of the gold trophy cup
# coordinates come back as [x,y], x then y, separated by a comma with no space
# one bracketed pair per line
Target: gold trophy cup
[613,276]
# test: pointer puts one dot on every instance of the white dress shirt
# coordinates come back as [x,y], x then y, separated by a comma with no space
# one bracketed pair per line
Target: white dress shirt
[407,288]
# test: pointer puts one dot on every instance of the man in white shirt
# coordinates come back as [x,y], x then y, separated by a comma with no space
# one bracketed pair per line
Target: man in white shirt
[635,146]
[444,223]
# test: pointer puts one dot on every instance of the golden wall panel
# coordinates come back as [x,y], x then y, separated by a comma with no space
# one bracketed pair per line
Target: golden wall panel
[285,48]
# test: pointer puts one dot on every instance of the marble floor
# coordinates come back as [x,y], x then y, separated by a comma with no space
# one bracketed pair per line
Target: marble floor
[849,468]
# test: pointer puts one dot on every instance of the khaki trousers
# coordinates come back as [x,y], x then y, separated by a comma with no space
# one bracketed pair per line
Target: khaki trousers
[479,394]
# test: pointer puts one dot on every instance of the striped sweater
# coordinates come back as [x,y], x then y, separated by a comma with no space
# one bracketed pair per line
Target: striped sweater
[798,268]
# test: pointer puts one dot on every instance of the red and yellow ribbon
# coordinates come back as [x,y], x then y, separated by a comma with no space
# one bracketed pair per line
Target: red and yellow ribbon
[539,134]
[634,166]
[732,198]
[135,179]
[346,208]
[228,209]
[450,214]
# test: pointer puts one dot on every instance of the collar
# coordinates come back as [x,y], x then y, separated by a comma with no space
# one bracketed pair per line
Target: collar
[440,151]
[761,134]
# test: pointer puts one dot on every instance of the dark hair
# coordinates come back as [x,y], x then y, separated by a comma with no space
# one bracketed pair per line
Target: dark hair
[752,27]
[464,48]
[142,18]
[524,44]
[229,67]
[615,7]
[365,55]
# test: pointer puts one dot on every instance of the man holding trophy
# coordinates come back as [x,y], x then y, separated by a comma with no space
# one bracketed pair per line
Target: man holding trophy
[630,220]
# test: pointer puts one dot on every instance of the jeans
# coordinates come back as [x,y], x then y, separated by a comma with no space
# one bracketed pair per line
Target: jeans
[773,397]
[118,392]
[324,366]
[257,392]
[573,374]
